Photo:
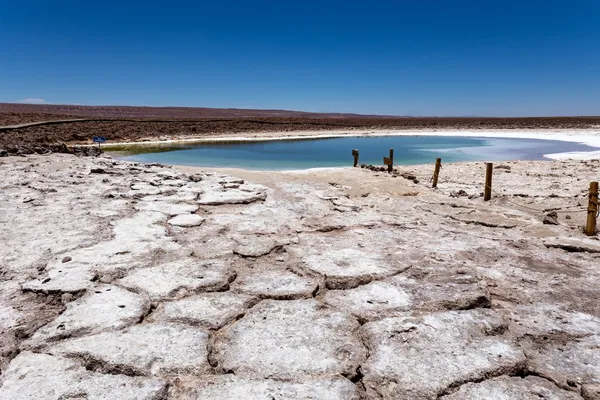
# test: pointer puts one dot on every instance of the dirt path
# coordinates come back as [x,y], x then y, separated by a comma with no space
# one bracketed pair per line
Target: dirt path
[39,123]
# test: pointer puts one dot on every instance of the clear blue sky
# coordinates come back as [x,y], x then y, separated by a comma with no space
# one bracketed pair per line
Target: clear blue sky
[429,57]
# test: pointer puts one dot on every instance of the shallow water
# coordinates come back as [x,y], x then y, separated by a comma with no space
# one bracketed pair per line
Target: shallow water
[336,152]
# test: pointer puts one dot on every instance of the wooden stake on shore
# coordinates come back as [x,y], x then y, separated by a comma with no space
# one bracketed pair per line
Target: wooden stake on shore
[355,155]
[487,193]
[389,161]
[436,172]
[590,228]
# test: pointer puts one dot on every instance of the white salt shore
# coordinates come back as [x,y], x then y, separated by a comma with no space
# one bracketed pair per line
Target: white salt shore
[125,280]
[588,137]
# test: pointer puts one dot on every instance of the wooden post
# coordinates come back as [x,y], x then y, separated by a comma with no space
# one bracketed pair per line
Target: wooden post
[487,193]
[590,228]
[391,165]
[355,155]
[436,172]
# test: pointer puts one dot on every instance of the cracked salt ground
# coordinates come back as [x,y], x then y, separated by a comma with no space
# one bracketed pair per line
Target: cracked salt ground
[179,278]
[437,290]
[209,310]
[159,349]
[275,284]
[39,376]
[192,285]
[233,387]
[291,339]
[509,388]
[458,346]
[106,307]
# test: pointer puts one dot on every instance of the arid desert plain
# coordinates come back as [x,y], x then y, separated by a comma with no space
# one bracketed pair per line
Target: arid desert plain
[123,280]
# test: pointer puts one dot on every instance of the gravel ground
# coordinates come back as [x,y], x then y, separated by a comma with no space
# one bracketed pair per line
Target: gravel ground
[129,124]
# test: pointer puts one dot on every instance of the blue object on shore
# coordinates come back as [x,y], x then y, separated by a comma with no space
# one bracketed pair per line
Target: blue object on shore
[99,139]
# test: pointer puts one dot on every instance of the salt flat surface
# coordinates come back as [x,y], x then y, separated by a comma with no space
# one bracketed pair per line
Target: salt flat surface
[153,282]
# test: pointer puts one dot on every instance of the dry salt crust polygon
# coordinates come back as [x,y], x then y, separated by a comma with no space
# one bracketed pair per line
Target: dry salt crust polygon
[574,244]
[345,262]
[233,387]
[256,219]
[276,283]
[134,238]
[159,349]
[256,246]
[510,388]
[166,207]
[245,194]
[290,340]
[208,310]
[186,220]
[182,195]
[399,294]
[179,278]
[40,376]
[490,219]
[575,363]
[422,357]
[105,308]
[548,319]
[209,245]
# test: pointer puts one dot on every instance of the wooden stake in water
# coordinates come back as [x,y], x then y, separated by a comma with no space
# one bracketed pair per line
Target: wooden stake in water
[436,172]
[355,155]
[487,193]
[590,227]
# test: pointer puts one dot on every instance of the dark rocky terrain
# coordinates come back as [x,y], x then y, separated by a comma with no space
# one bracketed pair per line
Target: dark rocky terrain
[118,123]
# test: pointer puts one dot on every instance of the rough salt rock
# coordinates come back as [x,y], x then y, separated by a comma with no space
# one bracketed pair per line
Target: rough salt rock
[66,278]
[276,284]
[346,268]
[173,182]
[179,278]
[209,310]
[159,349]
[591,391]
[291,339]
[509,388]
[400,294]
[167,207]
[186,220]
[168,174]
[547,319]
[142,188]
[491,219]
[133,238]
[575,362]
[258,219]
[574,245]
[181,196]
[212,246]
[192,188]
[104,308]
[232,387]
[414,358]
[40,376]
[256,246]
[245,194]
